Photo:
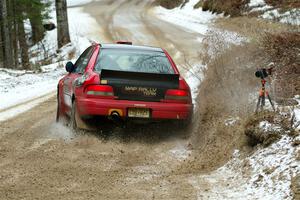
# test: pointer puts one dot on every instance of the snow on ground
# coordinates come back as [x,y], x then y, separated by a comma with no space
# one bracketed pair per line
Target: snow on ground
[194,20]
[83,29]
[255,3]
[291,16]
[266,174]
[297,112]
[19,87]
[72,3]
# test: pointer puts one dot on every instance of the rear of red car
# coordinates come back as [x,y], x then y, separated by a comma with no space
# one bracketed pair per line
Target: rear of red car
[132,82]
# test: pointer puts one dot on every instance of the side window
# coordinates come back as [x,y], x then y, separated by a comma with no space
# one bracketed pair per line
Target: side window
[83,60]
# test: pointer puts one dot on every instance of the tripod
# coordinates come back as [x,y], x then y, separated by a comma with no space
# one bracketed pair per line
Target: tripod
[263,93]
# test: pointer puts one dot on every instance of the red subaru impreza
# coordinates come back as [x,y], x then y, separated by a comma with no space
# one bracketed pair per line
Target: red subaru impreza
[124,81]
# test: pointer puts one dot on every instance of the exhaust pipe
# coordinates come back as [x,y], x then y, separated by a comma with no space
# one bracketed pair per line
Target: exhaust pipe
[116,118]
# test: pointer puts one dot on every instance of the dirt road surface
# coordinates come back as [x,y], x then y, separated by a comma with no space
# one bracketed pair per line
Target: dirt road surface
[40,159]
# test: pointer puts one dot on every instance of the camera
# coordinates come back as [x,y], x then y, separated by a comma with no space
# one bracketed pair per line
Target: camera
[263,73]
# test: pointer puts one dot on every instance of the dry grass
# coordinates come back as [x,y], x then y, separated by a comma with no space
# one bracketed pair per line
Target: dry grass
[283,49]
[257,135]
[169,4]
[229,7]
[252,27]
[284,3]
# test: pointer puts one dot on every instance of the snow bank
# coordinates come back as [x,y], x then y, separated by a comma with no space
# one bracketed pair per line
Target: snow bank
[194,20]
[16,88]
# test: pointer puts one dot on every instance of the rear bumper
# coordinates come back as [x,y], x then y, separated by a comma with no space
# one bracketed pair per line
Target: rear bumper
[159,110]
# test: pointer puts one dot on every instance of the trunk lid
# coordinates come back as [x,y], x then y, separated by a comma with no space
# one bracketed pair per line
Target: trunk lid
[139,86]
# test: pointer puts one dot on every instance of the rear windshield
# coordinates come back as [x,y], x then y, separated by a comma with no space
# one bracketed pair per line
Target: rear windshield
[133,61]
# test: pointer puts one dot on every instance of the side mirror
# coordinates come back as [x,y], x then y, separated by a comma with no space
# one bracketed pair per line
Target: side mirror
[70,67]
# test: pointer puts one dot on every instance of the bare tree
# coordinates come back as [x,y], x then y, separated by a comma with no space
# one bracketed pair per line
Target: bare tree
[63,35]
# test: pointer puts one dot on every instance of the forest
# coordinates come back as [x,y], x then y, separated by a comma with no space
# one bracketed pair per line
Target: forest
[23,24]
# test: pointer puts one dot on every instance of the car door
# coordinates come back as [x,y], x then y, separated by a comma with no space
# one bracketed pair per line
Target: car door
[79,70]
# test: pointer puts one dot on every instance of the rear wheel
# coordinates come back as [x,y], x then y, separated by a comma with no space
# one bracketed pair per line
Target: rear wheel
[186,123]
[74,116]
[58,110]
[76,122]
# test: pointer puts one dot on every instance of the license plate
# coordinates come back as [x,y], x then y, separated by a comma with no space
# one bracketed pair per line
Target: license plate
[139,112]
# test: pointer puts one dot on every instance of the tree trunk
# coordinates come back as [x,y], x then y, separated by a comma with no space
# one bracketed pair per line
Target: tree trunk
[15,35]
[12,31]
[63,36]
[37,29]
[6,39]
[23,45]
[1,45]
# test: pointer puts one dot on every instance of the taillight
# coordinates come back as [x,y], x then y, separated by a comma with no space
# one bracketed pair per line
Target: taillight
[182,96]
[101,91]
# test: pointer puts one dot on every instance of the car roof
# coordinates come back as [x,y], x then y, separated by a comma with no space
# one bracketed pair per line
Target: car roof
[130,47]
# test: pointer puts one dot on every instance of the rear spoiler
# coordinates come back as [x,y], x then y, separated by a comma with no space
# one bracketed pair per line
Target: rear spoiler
[112,77]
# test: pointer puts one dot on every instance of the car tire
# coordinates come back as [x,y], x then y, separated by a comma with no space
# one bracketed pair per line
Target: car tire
[186,123]
[58,111]
[73,117]
[58,114]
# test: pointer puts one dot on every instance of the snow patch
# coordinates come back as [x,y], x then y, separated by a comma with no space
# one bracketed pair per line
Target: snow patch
[267,126]
[266,174]
[194,20]
[72,3]
[289,17]
[269,12]
[256,3]
[10,113]
[231,121]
